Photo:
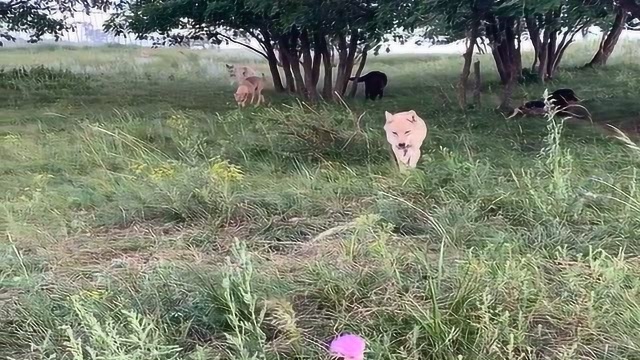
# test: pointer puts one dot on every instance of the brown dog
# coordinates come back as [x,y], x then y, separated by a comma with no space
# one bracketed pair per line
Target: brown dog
[250,87]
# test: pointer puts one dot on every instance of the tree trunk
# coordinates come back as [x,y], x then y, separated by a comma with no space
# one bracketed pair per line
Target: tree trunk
[536,53]
[466,68]
[317,62]
[351,56]
[273,61]
[327,87]
[551,53]
[609,40]
[342,64]
[599,53]
[288,74]
[363,61]
[518,49]
[544,50]
[307,65]
[564,44]
[508,52]
[291,52]
[275,73]
[477,87]
[502,72]
[534,35]
[297,75]
[276,50]
[286,65]
[495,42]
[317,58]
[332,47]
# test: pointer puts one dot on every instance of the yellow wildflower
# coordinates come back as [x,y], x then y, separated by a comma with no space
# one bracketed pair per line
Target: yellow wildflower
[179,123]
[222,170]
[163,171]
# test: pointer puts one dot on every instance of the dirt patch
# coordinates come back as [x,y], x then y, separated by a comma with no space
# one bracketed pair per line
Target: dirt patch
[134,248]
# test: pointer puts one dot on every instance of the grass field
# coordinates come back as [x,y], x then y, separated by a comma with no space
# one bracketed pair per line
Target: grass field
[145,217]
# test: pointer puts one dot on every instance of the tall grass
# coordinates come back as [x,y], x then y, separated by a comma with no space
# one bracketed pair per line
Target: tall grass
[145,216]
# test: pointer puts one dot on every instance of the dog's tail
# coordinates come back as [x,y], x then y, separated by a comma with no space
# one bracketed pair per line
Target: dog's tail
[359,78]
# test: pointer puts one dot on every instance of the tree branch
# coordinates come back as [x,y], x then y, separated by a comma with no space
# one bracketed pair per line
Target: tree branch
[228,38]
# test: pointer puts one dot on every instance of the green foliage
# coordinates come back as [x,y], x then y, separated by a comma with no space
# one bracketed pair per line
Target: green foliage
[214,20]
[39,17]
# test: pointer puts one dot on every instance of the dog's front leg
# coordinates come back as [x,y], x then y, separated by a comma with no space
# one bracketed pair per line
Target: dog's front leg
[414,156]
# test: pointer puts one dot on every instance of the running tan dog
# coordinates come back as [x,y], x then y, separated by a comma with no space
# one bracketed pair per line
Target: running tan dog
[250,87]
[239,72]
[405,132]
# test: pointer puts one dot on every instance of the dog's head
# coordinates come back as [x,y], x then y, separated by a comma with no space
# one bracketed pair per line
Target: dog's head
[241,94]
[231,69]
[403,129]
[566,95]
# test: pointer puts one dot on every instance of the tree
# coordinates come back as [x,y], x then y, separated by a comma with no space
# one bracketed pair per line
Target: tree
[217,21]
[315,27]
[499,21]
[454,21]
[39,17]
[611,31]
[552,27]
[301,31]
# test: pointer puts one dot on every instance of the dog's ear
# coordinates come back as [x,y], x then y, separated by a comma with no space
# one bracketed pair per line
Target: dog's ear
[388,116]
[413,115]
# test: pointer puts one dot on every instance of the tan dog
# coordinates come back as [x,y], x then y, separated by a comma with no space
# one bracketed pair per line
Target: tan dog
[250,87]
[239,72]
[405,132]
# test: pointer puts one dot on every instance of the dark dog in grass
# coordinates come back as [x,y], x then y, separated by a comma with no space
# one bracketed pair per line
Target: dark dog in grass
[374,83]
[561,99]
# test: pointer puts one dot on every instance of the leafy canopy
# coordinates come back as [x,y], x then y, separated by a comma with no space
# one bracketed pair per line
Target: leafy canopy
[40,17]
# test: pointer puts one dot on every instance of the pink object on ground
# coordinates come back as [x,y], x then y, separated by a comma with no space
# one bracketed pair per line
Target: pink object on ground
[348,346]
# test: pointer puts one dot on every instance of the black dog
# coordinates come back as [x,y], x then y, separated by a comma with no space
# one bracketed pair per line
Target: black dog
[561,99]
[374,83]
[535,107]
